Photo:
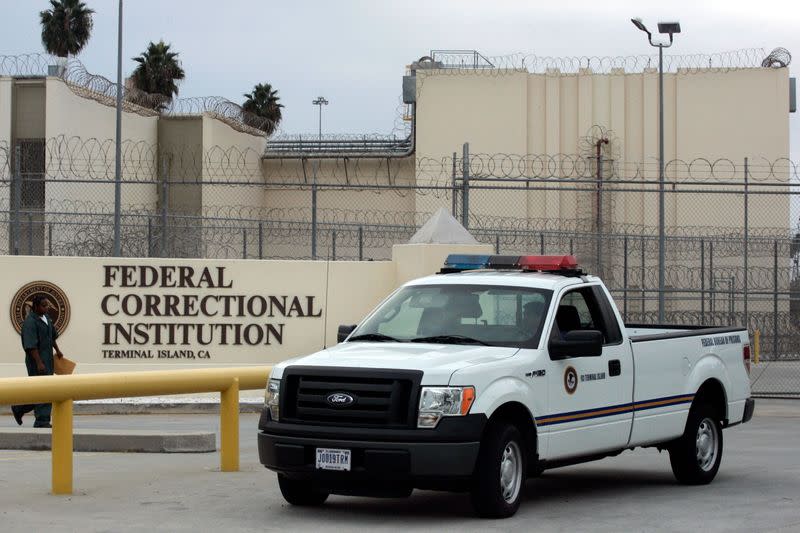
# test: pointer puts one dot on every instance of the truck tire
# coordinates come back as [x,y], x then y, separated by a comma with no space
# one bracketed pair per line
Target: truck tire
[499,477]
[301,492]
[696,456]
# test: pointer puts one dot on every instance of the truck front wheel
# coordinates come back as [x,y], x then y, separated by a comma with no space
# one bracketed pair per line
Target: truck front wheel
[696,456]
[499,476]
[300,492]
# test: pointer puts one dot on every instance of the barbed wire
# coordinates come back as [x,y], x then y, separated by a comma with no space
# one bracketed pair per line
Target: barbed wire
[104,91]
[93,158]
[454,61]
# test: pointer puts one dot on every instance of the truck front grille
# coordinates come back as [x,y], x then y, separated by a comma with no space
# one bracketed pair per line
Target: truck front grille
[381,398]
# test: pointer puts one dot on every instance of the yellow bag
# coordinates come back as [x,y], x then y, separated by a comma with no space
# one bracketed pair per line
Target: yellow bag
[63,366]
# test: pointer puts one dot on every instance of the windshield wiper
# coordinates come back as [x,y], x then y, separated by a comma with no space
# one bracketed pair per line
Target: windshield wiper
[450,339]
[376,337]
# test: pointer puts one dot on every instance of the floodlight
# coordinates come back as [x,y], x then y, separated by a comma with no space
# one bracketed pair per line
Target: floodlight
[669,27]
[639,24]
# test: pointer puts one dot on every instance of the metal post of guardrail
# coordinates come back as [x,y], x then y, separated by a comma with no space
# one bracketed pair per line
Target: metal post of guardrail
[62,447]
[61,391]
[229,428]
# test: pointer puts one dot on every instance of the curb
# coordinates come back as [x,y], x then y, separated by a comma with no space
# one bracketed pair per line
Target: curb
[125,441]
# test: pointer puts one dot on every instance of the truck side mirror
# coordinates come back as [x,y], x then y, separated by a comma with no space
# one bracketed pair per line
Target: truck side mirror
[577,343]
[344,332]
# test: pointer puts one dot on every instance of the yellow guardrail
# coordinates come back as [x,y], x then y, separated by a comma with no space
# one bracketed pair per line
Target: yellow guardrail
[61,391]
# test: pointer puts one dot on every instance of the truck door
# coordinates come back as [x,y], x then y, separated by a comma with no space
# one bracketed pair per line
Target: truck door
[589,398]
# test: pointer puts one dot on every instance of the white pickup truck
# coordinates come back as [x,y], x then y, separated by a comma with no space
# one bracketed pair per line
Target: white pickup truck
[492,371]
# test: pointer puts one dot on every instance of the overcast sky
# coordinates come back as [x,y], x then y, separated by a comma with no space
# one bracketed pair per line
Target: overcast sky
[354,52]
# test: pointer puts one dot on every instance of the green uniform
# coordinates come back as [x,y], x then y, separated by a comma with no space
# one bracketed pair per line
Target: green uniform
[38,335]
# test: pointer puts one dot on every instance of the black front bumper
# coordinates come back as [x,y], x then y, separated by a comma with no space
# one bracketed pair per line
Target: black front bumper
[443,457]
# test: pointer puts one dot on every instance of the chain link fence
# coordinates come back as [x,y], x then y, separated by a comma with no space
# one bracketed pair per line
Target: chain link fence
[731,244]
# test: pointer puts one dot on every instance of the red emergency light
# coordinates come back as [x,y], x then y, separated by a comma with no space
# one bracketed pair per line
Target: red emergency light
[548,263]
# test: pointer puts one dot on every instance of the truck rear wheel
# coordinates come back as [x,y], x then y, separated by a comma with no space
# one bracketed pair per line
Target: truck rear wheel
[300,492]
[696,456]
[499,477]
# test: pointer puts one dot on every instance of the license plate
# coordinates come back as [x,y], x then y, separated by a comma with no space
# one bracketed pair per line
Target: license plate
[333,459]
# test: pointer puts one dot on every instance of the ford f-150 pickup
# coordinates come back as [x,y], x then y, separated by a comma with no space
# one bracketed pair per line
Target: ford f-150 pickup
[489,372]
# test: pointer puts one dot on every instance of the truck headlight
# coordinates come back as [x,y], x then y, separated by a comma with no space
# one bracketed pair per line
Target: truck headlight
[272,398]
[437,402]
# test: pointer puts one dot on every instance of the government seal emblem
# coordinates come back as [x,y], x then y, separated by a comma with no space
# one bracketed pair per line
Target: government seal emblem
[59,310]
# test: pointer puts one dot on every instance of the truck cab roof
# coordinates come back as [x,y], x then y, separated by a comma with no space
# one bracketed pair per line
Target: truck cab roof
[514,278]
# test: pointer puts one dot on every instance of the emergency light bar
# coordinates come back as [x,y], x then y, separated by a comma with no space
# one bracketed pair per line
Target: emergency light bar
[557,264]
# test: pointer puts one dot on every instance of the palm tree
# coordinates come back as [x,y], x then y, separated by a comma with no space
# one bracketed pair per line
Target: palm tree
[66,27]
[158,71]
[264,106]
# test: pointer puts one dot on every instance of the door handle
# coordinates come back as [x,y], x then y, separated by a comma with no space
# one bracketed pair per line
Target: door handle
[614,368]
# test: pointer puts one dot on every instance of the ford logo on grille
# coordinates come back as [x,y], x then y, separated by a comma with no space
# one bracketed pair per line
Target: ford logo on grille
[340,399]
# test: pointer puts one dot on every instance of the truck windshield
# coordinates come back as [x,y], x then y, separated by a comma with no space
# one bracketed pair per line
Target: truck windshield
[459,314]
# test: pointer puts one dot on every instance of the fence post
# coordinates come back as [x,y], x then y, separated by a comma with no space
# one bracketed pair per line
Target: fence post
[164,212]
[244,243]
[164,207]
[455,187]
[702,282]
[261,240]
[599,233]
[17,201]
[644,304]
[625,278]
[775,304]
[314,213]
[149,236]
[541,243]
[711,295]
[50,239]
[333,244]
[465,185]
[497,244]
[746,238]
[30,233]
[361,243]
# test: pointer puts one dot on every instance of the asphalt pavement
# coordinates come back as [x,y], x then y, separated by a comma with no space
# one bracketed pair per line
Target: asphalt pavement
[757,489]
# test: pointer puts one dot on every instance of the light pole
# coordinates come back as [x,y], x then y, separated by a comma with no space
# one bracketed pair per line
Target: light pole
[668,28]
[118,147]
[320,101]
